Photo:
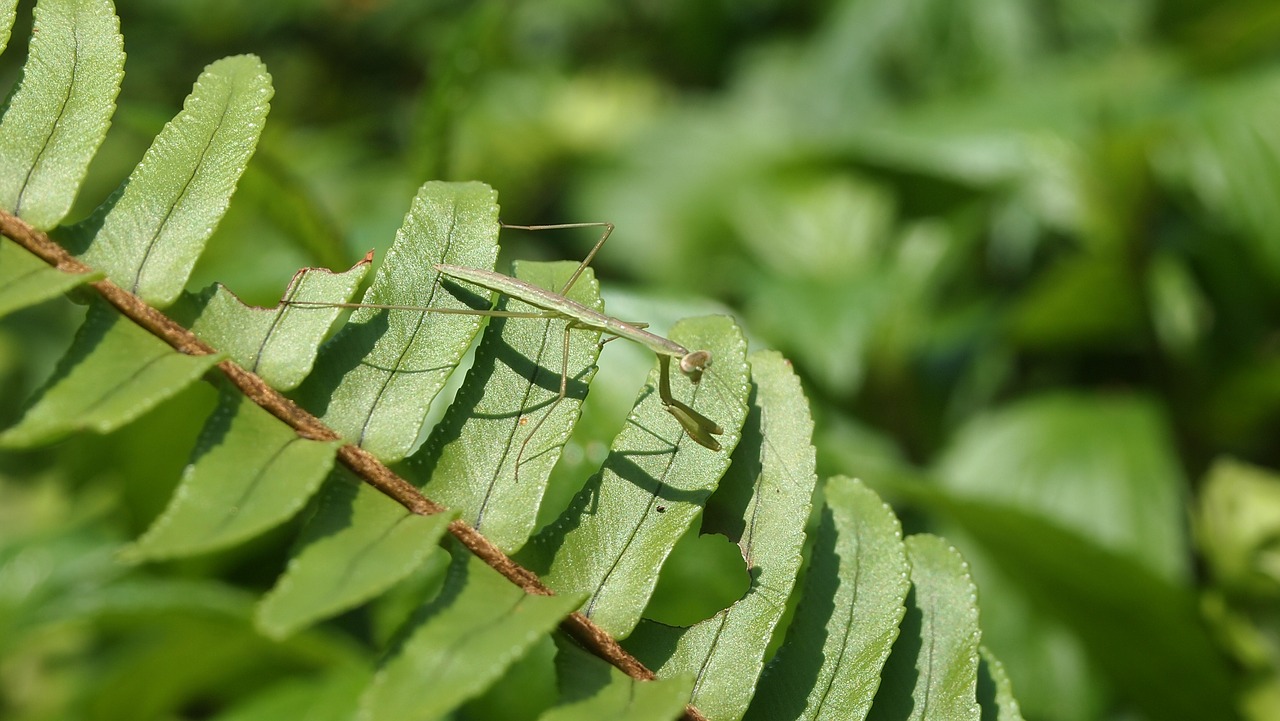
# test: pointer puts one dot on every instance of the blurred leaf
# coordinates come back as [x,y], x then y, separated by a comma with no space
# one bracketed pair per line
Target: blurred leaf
[932,671]
[26,280]
[59,114]
[278,344]
[1226,148]
[356,546]
[1083,302]
[1238,527]
[331,697]
[148,235]
[850,608]
[249,472]
[592,689]
[461,642]
[762,504]
[375,380]
[1180,311]
[1144,632]
[1104,466]
[481,458]
[114,372]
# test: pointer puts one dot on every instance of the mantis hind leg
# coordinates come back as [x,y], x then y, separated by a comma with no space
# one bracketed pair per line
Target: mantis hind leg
[608,230]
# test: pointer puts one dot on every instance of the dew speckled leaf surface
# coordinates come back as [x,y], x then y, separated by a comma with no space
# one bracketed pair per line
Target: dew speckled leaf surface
[375,380]
[847,620]
[611,541]
[8,13]
[148,236]
[60,113]
[469,461]
[762,505]
[278,344]
[932,674]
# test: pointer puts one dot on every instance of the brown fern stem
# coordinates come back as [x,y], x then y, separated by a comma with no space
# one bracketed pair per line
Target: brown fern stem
[360,461]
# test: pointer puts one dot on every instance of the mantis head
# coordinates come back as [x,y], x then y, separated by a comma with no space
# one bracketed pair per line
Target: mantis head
[693,363]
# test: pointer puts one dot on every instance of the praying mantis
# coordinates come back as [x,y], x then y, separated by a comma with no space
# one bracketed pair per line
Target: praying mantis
[556,305]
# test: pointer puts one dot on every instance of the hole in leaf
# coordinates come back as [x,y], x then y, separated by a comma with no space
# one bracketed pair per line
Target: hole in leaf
[704,575]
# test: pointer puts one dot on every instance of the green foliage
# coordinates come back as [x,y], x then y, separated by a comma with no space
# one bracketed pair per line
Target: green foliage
[26,280]
[113,373]
[474,456]
[1023,256]
[177,194]
[56,119]
[628,517]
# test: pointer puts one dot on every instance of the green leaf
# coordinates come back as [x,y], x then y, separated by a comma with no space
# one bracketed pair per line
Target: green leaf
[933,670]
[329,697]
[358,544]
[150,233]
[463,641]
[1139,628]
[203,622]
[611,540]
[470,460]
[27,280]
[114,372]
[591,689]
[1239,522]
[8,13]
[249,473]
[762,505]
[995,690]
[279,344]
[375,380]
[1103,465]
[829,667]
[59,114]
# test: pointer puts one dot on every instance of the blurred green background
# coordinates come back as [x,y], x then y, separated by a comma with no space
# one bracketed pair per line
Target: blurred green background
[1025,256]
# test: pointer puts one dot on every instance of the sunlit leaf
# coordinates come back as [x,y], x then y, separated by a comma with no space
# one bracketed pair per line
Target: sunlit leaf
[1239,521]
[8,13]
[374,381]
[762,504]
[1103,465]
[612,540]
[59,114]
[1138,626]
[278,344]
[148,236]
[933,670]
[852,602]
[329,697]
[114,372]
[470,460]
